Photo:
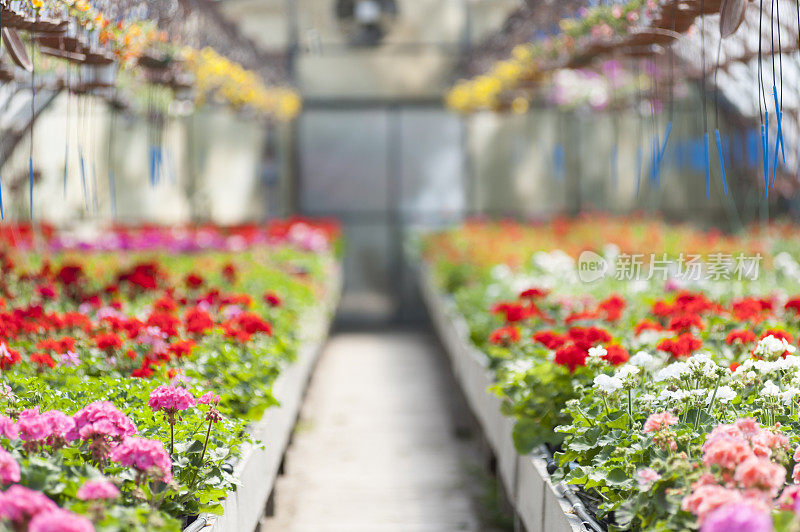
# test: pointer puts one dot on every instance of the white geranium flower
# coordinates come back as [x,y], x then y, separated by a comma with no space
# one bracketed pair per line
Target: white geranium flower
[647,398]
[677,395]
[702,364]
[725,394]
[790,394]
[607,384]
[625,371]
[501,271]
[770,390]
[645,360]
[596,355]
[674,371]
[771,347]
[520,366]
[649,337]
[790,362]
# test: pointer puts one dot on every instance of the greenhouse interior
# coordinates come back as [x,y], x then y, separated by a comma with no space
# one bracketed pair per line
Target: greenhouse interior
[399,265]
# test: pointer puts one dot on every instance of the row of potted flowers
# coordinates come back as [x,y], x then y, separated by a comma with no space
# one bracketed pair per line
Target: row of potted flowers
[127,379]
[670,400]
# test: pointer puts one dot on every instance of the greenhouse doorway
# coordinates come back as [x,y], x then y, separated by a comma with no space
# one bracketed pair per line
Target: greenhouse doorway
[384,171]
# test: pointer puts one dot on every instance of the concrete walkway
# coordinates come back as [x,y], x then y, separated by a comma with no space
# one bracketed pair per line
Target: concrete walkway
[376,449]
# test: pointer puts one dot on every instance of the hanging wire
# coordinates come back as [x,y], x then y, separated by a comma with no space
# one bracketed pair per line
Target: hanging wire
[33,117]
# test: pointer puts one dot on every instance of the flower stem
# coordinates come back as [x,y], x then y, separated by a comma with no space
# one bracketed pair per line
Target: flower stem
[630,409]
[202,456]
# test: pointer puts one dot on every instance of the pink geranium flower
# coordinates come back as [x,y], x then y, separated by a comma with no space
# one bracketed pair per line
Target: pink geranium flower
[760,473]
[97,489]
[208,398]
[738,518]
[659,421]
[171,399]
[60,521]
[101,419]
[18,504]
[9,468]
[145,456]
[8,428]
[646,477]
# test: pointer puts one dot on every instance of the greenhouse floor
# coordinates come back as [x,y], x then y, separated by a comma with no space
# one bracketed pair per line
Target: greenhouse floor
[376,446]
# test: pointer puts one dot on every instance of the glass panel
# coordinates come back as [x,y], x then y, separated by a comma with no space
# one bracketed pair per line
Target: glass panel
[431,165]
[343,161]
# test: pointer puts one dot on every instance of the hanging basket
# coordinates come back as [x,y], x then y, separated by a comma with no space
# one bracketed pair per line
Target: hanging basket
[731,16]
[6,73]
[154,60]
[13,19]
[99,75]
[651,36]
[16,49]
[676,17]
[97,57]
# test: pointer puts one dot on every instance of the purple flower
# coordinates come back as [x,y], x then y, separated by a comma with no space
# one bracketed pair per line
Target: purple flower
[70,358]
[738,517]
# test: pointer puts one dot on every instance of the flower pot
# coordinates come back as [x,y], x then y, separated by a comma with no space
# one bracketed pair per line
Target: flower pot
[99,74]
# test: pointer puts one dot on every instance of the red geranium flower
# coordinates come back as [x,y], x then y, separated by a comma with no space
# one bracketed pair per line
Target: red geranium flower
[197,321]
[132,327]
[533,293]
[616,355]
[145,371]
[69,274]
[253,323]
[751,309]
[229,272]
[505,335]
[740,335]
[793,304]
[107,341]
[581,316]
[513,312]
[549,339]
[165,304]
[272,299]
[182,348]
[681,346]
[571,355]
[8,357]
[47,291]
[586,337]
[685,322]
[194,280]
[646,325]
[612,307]
[164,321]
[43,359]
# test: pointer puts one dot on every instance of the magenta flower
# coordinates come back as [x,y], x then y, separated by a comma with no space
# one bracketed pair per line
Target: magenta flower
[171,399]
[39,428]
[208,398]
[18,504]
[101,419]
[738,517]
[8,428]
[60,521]
[146,456]
[9,468]
[97,489]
